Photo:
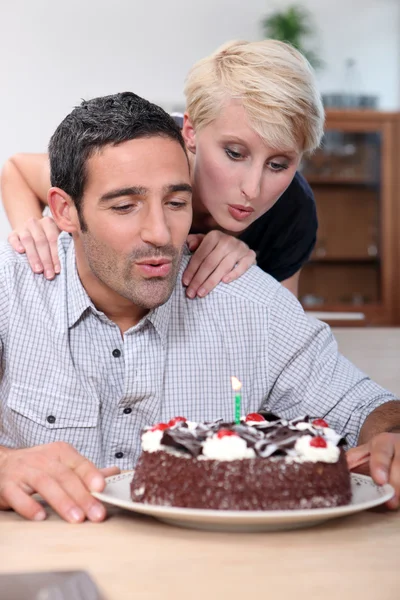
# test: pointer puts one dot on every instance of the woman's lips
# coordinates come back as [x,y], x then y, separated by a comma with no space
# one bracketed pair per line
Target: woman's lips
[239,212]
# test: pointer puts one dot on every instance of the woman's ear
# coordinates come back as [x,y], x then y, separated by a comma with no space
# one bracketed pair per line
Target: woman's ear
[189,134]
[63,210]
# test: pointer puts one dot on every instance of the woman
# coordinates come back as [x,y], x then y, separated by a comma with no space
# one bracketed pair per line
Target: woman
[253,109]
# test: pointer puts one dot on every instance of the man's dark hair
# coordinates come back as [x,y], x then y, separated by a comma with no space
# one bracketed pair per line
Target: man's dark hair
[97,123]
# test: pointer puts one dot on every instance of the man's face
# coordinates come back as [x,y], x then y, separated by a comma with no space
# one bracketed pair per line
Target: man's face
[137,210]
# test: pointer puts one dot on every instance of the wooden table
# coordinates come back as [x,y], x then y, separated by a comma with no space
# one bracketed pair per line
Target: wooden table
[131,556]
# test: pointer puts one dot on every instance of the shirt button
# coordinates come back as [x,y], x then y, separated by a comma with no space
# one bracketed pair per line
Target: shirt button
[116,353]
[119,455]
[51,419]
[127,411]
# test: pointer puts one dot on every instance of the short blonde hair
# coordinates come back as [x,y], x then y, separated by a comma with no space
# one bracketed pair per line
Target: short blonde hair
[273,81]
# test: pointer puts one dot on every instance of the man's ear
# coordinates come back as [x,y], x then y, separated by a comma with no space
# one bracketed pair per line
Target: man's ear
[189,134]
[63,210]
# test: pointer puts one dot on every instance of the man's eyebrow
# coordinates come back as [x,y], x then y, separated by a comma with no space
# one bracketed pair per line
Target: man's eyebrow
[178,187]
[129,191]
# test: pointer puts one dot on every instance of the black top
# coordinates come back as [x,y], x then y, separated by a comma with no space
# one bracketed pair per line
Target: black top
[284,237]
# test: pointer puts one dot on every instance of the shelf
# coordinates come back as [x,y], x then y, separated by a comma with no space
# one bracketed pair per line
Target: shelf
[346,259]
[335,181]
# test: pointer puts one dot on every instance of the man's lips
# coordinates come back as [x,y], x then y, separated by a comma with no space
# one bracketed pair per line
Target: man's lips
[240,212]
[154,267]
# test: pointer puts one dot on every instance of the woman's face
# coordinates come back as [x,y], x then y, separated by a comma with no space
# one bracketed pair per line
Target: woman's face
[236,176]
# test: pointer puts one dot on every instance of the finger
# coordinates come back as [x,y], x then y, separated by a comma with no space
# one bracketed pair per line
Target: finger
[221,259]
[74,487]
[382,452]
[86,470]
[52,232]
[12,496]
[110,471]
[206,247]
[241,267]
[14,241]
[357,456]
[42,247]
[226,265]
[394,479]
[194,240]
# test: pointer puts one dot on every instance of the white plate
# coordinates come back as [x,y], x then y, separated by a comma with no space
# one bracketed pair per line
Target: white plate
[365,494]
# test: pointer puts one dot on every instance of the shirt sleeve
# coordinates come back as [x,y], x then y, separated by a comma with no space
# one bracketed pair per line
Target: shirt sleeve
[292,232]
[308,375]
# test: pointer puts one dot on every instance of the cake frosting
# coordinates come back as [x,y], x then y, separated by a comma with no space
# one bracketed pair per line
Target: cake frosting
[263,462]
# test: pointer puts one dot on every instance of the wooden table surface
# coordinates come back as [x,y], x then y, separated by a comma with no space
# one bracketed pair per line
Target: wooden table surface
[132,556]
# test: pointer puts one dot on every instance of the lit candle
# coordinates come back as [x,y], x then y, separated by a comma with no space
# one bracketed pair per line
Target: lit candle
[237,386]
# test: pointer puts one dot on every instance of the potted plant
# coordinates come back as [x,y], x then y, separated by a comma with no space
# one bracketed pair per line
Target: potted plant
[293,25]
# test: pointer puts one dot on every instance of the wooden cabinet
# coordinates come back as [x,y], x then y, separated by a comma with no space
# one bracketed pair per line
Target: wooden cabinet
[353,274]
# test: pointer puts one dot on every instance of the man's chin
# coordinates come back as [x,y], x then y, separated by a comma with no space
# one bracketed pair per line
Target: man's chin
[153,293]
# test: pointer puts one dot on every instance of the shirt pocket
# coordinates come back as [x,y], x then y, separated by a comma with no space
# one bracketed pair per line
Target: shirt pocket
[39,416]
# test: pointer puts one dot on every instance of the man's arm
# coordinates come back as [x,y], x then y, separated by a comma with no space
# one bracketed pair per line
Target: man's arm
[310,376]
[385,418]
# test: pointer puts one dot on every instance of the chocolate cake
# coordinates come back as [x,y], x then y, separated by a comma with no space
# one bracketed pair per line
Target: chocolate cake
[259,464]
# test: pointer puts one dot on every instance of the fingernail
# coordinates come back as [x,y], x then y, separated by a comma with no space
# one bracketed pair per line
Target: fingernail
[75,515]
[38,268]
[96,512]
[383,475]
[201,292]
[57,269]
[49,274]
[185,281]
[190,294]
[97,483]
[40,516]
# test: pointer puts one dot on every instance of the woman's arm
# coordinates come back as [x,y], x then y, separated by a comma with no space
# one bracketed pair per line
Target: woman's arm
[292,283]
[25,181]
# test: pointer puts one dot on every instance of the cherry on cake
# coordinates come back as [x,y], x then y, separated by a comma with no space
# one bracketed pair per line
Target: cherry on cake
[259,464]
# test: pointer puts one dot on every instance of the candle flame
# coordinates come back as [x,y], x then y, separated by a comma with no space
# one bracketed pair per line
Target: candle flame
[236,384]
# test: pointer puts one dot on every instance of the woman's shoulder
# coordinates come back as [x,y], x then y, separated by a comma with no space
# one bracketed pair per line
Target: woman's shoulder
[298,193]
[284,237]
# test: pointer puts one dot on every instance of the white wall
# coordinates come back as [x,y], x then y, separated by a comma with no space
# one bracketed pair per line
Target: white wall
[54,53]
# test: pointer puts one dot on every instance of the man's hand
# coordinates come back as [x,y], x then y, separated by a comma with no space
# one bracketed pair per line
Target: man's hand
[217,257]
[380,458]
[38,239]
[62,477]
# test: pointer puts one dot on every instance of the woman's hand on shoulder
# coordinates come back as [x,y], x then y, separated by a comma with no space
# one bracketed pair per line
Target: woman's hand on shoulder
[217,257]
[38,240]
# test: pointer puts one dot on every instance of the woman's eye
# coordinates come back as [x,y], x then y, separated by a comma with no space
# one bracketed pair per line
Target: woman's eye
[233,155]
[277,166]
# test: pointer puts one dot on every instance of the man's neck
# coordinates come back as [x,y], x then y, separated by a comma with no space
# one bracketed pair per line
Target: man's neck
[118,309]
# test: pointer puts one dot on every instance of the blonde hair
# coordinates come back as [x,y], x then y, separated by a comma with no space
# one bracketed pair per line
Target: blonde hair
[274,83]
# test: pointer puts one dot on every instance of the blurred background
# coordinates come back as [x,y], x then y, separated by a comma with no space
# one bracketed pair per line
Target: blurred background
[53,54]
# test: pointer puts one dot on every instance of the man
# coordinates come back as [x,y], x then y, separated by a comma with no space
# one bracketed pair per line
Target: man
[113,344]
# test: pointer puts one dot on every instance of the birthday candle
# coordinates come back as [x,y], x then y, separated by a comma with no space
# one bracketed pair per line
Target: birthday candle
[237,386]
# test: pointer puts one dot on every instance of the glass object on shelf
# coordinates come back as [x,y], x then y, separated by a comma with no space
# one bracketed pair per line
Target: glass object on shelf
[345,158]
[345,267]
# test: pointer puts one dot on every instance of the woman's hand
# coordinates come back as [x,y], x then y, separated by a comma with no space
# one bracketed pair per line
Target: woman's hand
[38,239]
[217,257]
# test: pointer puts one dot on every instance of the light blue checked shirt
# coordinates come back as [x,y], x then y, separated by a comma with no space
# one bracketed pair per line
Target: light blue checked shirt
[68,375]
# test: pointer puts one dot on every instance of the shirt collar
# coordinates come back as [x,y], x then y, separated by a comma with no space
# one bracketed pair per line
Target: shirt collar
[78,300]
